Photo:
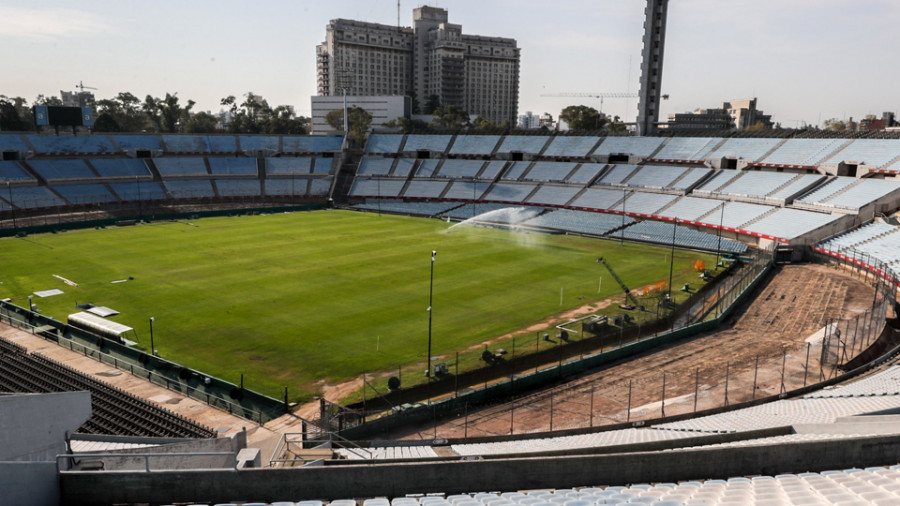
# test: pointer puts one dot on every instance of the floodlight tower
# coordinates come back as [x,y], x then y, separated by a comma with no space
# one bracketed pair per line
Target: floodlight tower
[652,65]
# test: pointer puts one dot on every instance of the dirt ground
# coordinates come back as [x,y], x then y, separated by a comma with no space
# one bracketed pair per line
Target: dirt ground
[762,350]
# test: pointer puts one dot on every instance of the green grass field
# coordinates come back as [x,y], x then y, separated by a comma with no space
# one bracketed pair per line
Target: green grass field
[304,298]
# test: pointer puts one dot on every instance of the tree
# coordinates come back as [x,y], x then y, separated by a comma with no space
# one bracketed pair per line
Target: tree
[358,118]
[106,123]
[124,110]
[407,125]
[44,100]
[582,117]
[14,114]
[202,123]
[450,117]
[432,104]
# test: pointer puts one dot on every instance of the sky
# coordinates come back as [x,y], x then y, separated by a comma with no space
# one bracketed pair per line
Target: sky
[805,60]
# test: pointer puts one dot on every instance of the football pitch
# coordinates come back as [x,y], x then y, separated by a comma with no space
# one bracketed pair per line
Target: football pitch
[304,299]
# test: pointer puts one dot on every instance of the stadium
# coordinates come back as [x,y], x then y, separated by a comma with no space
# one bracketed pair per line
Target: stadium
[611,319]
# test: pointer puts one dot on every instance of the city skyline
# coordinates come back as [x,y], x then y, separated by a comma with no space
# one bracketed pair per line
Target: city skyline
[799,58]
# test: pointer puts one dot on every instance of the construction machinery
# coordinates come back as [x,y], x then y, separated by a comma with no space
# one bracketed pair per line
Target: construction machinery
[632,301]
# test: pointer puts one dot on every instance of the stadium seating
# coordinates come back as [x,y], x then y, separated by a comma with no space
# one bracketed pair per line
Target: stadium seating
[736,214]
[616,175]
[830,188]
[509,192]
[515,171]
[803,151]
[644,203]
[580,222]
[128,142]
[174,167]
[749,149]
[474,144]
[311,143]
[221,143]
[376,187]
[638,146]
[288,166]
[554,195]
[257,142]
[320,187]
[719,180]
[585,173]
[436,143]
[427,167]
[383,143]
[789,223]
[797,185]
[238,187]
[550,171]
[403,167]
[119,167]
[691,208]
[858,236]
[414,208]
[323,165]
[885,248]
[62,169]
[491,170]
[756,183]
[653,176]
[186,143]
[70,144]
[460,169]
[862,193]
[576,147]
[189,189]
[81,194]
[598,198]
[13,142]
[873,152]
[419,188]
[374,166]
[114,411]
[286,187]
[472,210]
[687,148]
[232,166]
[690,178]
[466,190]
[661,233]
[33,197]
[12,171]
[135,191]
[523,144]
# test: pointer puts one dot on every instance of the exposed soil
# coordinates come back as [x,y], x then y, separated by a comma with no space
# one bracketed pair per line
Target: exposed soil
[762,350]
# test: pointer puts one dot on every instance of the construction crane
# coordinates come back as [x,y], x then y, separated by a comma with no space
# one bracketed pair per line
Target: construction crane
[601,96]
[630,298]
[82,87]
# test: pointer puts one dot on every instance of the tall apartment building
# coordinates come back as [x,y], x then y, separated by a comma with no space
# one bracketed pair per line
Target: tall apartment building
[432,58]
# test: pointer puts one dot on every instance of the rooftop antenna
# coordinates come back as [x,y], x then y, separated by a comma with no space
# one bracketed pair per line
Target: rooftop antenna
[398,14]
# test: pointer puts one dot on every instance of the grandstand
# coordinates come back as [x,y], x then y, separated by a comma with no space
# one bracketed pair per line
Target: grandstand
[784,195]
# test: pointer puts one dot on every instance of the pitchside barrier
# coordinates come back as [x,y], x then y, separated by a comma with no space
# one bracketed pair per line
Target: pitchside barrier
[236,399]
[354,422]
[65,219]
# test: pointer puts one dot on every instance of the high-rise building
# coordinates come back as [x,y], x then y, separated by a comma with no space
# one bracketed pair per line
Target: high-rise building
[432,61]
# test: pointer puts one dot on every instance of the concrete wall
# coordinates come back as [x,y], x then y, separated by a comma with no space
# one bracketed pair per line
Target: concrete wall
[391,480]
[382,109]
[35,425]
[31,483]
[32,432]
